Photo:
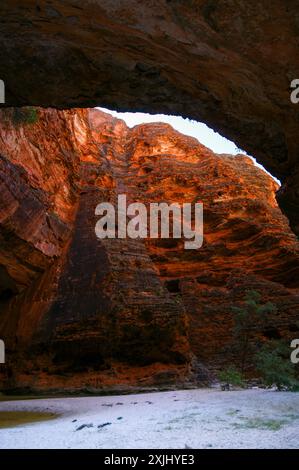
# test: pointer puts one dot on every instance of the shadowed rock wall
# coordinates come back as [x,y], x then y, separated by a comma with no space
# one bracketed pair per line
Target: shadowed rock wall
[228,63]
[77,312]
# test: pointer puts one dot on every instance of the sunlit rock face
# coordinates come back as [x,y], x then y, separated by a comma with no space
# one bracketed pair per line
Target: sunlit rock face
[77,311]
[228,63]
[248,244]
[81,312]
[38,194]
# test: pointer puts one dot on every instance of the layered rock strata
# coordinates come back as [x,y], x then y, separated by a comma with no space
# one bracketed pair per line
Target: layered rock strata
[229,63]
[78,312]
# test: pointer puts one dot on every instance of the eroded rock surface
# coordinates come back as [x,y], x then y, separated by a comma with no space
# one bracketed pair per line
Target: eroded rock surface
[84,306]
[228,63]
[79,312]
[247,241]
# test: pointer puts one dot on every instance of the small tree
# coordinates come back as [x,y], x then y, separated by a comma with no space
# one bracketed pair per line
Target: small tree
[231,376]
[274,364]
[246,318]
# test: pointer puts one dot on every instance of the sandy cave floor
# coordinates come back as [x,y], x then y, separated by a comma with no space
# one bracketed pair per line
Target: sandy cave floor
[203,418]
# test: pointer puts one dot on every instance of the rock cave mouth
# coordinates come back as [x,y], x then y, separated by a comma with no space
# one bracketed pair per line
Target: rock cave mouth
[127,305]
[222,65]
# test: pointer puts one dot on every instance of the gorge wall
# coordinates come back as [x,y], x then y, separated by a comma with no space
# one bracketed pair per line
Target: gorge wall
[79,313]
[228,63]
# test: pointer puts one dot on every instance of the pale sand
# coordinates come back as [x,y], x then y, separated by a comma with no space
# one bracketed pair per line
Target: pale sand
[195,418]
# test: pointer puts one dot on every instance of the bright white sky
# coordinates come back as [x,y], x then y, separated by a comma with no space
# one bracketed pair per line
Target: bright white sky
[200,131]
[204,134]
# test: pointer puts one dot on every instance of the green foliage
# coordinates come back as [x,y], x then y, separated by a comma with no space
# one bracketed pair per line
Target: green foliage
[274,364]
[231,376]
[251,311]
[261,423]
[246,317]
[28,115]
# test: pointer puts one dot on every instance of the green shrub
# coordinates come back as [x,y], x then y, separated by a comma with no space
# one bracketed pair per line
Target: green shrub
[274,364]
[28,115]
[246,317]
[231,376]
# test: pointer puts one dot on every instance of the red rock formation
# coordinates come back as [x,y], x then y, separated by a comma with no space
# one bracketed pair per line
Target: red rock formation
[228,63]
[114,313]
[247,241]
[95,306]
[38,176]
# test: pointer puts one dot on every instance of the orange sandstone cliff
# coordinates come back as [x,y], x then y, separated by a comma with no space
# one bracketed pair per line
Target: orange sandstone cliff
[81,313]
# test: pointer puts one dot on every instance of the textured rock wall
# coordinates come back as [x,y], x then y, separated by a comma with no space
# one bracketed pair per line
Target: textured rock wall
[228,63]
[94,305]
[77,312]
[38,175]
[247,241]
